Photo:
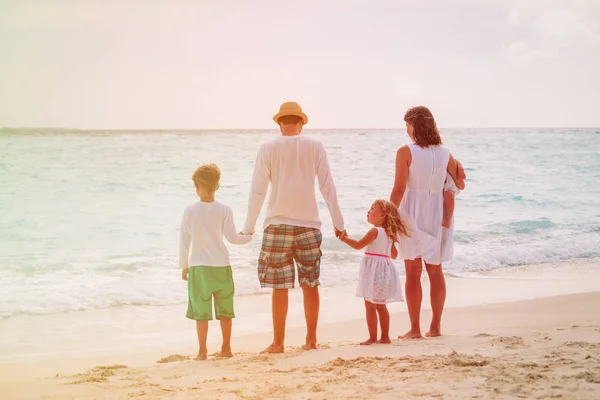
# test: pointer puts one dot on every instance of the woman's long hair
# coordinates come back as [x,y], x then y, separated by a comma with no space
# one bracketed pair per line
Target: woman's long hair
[392,223]
[425,131]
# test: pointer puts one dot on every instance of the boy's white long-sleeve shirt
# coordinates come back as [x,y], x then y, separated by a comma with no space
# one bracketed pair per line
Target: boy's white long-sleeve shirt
[291,164]
[203,227]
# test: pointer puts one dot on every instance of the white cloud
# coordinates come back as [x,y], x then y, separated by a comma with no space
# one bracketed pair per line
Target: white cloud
[553,28]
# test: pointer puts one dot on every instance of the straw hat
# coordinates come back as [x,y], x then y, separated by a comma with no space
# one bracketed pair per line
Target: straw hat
[290,108]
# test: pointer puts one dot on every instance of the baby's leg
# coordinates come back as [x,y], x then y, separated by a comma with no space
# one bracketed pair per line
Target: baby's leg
[448,208]
[371,313]
[384,322]
[202,330]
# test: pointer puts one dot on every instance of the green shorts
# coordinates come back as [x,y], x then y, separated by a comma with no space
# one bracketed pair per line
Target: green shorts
[204,283]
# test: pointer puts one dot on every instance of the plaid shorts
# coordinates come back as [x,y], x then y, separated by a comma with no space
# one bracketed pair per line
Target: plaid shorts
[282,244]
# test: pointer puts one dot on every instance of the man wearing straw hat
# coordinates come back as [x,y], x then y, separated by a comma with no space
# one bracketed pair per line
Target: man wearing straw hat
[290,163]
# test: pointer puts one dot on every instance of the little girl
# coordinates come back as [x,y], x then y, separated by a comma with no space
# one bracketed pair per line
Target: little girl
[378,281]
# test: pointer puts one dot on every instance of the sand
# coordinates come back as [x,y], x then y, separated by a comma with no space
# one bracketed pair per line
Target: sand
[535,349]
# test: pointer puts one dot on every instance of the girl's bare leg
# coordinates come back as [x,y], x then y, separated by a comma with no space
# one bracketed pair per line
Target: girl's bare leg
[384,322]
[371,314]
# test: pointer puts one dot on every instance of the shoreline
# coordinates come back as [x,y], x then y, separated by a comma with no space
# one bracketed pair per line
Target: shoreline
[142,329]
[528,335]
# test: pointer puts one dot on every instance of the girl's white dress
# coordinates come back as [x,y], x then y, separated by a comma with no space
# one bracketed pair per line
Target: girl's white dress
[378,280]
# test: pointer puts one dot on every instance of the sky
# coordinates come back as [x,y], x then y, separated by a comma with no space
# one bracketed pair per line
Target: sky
[113,64]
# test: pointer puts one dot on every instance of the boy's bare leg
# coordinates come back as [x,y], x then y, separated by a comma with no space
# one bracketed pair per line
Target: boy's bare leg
[312,303]
[371,315]
[438,298]
[384,321]
[448,208]
[414,297]
[279,309]
[202,330]
[226,324]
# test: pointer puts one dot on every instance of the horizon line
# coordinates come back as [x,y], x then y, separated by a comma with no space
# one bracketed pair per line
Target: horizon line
[50,128]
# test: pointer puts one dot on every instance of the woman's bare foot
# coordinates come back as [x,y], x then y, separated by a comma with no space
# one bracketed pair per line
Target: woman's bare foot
[309,346]
[368,342]
[384,340]
[433,333]
[273,348]
[201,355]
[411,335]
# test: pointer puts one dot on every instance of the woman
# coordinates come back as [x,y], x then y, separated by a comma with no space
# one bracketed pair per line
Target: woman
[420,174]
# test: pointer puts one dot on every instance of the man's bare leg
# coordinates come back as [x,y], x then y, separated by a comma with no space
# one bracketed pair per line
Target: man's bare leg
[438,298]
[226,324]
[414,297]
[279,309]
[312,302]
[202,330]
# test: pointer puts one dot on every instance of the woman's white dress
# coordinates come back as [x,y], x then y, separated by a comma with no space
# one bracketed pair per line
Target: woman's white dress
[378,280]
[422,206]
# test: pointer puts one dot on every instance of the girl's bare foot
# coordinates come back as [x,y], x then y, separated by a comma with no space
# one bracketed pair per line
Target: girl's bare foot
[384,340]
[368,342]
[309,346]
[273,348]
[201,355]
[411,335]
[433,333]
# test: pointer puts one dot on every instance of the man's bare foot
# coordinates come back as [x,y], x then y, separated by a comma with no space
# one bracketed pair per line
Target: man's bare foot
[368,342]
[384,340]
[433,333]
[411,335]
[273,348]
[201,355]
[309,346]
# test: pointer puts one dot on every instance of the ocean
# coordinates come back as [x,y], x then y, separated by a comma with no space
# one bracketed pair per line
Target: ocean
[90,220]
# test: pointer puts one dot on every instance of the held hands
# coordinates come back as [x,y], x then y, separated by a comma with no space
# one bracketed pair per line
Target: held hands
[184,274]
[341,234]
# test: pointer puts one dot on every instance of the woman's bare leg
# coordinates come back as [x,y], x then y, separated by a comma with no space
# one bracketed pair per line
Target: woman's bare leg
[438,298]
[414,297]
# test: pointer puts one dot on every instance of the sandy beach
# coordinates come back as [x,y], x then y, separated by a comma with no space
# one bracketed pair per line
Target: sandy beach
[540,348]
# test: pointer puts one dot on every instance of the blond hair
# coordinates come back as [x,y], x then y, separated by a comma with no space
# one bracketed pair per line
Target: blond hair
[207,177]
[392,223]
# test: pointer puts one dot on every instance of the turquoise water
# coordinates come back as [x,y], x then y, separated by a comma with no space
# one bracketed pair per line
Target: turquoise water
[90,220]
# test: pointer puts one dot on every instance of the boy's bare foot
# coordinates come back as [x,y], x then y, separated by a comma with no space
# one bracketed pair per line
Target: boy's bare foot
[411,335]
[201,355]
[384,340]
[273,348]
[433,333]
[368,342]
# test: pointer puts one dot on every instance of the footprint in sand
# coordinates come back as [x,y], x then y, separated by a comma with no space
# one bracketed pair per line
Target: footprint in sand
[483,335]
[99,374]
[511,342]
[173,358]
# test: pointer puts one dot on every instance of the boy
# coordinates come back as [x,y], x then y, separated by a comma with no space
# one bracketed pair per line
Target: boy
[204,259]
